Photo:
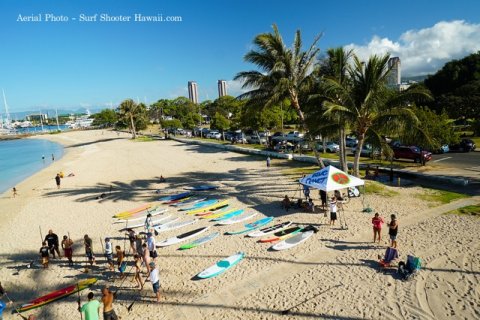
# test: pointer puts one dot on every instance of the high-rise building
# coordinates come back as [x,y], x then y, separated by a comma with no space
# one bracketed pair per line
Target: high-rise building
[193,91]
[222,88]
[395,76]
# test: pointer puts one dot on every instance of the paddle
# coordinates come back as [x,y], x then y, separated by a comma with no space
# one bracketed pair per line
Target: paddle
[79,309]
[287,311]
[3,292]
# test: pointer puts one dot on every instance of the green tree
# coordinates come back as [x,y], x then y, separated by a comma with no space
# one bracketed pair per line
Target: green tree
[220,122]
[369,105]
[106,117]
[284,73]
[133,115]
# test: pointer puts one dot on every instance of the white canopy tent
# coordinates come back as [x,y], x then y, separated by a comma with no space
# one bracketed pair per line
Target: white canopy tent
[331,179]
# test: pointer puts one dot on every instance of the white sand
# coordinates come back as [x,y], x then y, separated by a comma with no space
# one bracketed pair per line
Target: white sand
[338,268]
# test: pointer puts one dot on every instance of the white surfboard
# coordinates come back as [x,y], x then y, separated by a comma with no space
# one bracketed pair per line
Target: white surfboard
[153,213]
[154,222]
[182,237]
[238,219]
[293,241]
[268,230]
[221,266]
[173,226]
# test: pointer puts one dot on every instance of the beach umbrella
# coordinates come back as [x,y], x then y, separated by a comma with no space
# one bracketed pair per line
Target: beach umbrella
[331,179]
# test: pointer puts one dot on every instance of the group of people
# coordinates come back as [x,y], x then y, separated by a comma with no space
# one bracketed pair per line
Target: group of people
[377,223]
[51,245]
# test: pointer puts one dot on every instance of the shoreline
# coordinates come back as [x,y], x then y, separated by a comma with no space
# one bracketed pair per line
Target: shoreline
[261,285]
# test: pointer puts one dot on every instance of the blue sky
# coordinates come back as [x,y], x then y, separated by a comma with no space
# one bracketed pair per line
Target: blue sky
[79,64]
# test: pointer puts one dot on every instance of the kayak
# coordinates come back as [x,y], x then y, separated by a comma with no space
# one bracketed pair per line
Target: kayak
[229,215]
[268,230]
[176,196]
[56,295]
[221,266]
[199,241]
[133,211]
[208,208]
[182,237]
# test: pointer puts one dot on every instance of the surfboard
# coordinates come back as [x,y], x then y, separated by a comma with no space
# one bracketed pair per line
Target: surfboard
[268,230]
[221,266]
[201,188]
[182,237]
[293,241]
[142,215]
[223,208]
[221,214]
[208,208]
[199,205]
[229,215]
[252,226]
[173,226]
[56,295]
[237,219]
[282,234]
[200,241]
[177,201]
[188,202]
[176,196]
[130,212]
[138,225]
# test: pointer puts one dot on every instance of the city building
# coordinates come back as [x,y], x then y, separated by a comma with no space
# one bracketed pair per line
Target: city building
[193,91]
[394,78]
[222,88]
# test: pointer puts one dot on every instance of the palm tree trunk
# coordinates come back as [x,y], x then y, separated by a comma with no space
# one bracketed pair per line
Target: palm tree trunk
[343,151]
[132,123]
[356,161]
[301,116]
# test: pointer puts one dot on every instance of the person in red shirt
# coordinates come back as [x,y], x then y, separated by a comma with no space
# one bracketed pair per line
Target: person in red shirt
[377,222]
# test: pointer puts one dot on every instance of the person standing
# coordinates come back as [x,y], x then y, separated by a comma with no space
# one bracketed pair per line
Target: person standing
[87,241]
[377,222]
[323,197]
[91,308]
[52,240]
[14,192]
[57,180]
[107,299]
[53,157]
[44,254]
[268,162]
[148,225]
[132,235]
[151,246]
[109,254]
[43,158]
[121,264]
[393,230]
[155,280]
[67,246]
[333,211]
[306,192]
[138,269]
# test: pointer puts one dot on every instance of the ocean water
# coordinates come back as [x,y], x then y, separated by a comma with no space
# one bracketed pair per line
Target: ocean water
[21,158]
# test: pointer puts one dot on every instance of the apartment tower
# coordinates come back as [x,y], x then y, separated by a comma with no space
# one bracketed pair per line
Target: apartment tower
[193,91]
[222,88]
[395,77]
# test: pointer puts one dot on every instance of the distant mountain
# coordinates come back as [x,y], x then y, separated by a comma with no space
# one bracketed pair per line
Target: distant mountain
[51,112]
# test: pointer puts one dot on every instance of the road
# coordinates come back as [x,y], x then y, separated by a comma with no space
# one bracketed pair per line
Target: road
[466,161]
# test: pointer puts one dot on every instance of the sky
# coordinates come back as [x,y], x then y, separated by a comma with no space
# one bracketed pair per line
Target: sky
[74,63]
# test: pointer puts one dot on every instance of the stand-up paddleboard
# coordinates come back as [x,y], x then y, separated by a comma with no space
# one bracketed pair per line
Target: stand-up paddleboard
[142,215]
[182,237]
[252,226]
[221,266]
[166,222]
[176,196]
[130,212]
[215,215]
[268,230]
[200,241]
[201,188]
[223,208]
[173,226]
[283,234]
[293,241]
[237,219]
[56,295]
[209,208]
[188,202]
[177,201]
[199,205]
[138,225]
[228,215]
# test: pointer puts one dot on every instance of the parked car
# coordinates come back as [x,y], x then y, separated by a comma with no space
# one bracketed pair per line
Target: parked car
[330,146]
[214,134]
[279,136]
[351,142]
[443,149]
[294,136]
[411,152]
[465,145]
[258,139]
[367,151]
[239,137]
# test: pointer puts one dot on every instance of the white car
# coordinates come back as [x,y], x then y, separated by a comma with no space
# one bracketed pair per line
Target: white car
[214,135]
[330,147]
[294,136]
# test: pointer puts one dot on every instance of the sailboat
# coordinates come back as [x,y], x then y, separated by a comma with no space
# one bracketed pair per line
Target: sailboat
[6,125]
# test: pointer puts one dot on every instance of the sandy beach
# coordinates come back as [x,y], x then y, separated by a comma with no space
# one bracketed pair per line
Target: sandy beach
[333,275]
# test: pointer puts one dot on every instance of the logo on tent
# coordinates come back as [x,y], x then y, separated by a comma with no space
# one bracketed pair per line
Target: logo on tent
[340,178]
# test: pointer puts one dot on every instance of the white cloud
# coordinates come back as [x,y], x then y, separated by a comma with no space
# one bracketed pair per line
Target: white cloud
[426,50]
[234,88]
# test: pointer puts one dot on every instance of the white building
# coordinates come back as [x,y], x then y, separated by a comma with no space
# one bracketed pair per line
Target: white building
[193,91]
[222,88]
[394,78]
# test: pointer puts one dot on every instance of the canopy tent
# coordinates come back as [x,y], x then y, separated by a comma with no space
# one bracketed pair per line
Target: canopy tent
[330,179]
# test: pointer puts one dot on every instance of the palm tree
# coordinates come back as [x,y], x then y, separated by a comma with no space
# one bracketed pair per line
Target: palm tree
[368,104]
[284,73]
[128,110]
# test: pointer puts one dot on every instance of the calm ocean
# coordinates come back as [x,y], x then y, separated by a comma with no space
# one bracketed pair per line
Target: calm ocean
[21,158]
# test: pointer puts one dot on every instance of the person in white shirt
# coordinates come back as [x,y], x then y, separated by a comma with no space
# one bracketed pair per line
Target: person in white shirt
[155,280]
[151,246]
[109,253]
[333,210]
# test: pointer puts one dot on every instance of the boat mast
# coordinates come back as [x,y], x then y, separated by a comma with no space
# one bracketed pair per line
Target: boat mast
[41,121]
[7,116]
[56,114]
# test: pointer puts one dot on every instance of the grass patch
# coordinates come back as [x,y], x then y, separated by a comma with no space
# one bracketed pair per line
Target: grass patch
[467,211]
[441,196]
[373,187]
[143,139]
